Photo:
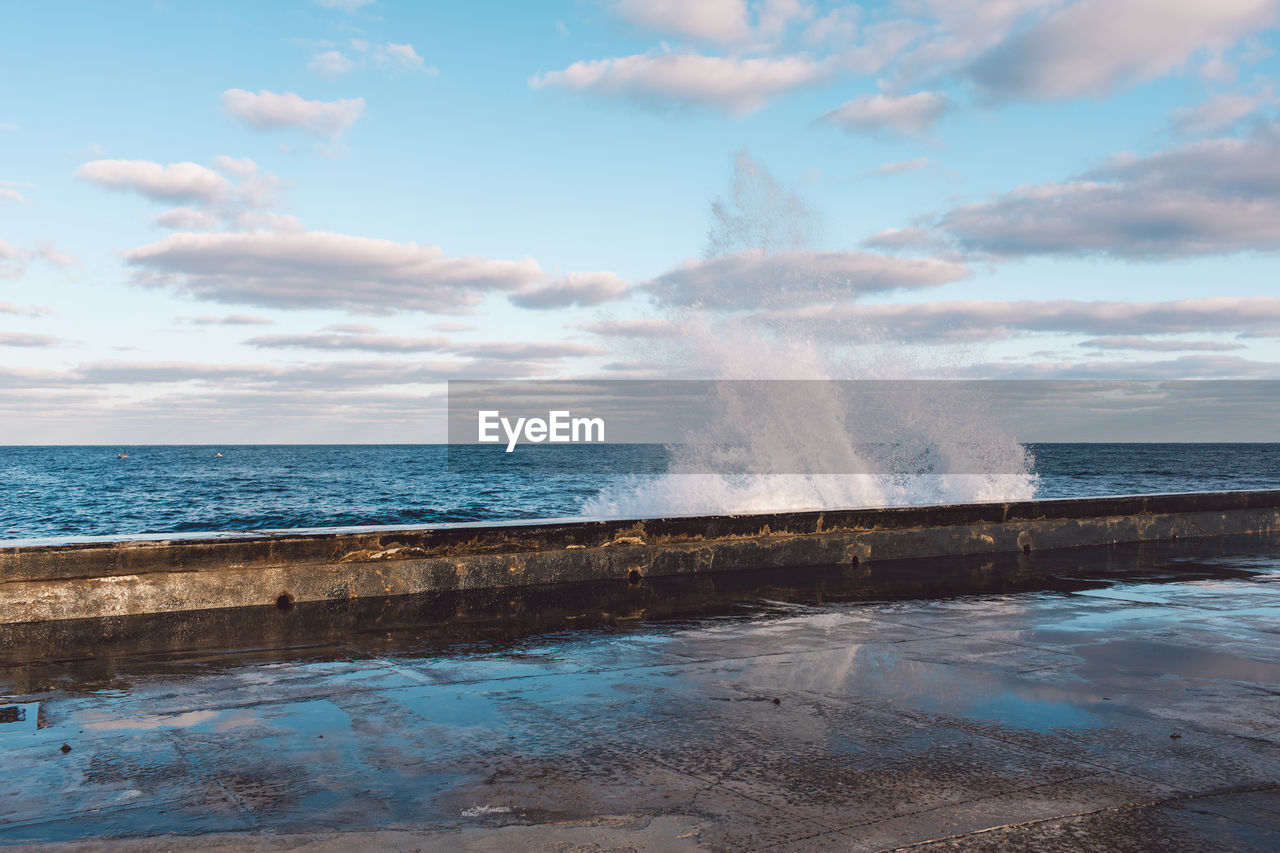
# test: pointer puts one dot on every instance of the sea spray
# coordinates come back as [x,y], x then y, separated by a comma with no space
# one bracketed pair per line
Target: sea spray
[944,448]
[913,443]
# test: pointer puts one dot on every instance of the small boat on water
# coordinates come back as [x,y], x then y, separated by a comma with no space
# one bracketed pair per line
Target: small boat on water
[217,456]
[122,455]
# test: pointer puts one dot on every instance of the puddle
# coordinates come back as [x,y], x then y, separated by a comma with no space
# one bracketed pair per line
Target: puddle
[946,689]
[1115,660]
[18,718]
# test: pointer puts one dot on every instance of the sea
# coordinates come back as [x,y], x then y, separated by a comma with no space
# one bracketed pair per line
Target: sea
[89,491]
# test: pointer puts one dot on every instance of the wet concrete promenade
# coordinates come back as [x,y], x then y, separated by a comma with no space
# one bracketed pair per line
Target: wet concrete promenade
[1122,698]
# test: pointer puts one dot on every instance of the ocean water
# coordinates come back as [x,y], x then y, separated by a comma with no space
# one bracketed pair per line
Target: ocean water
[87,491]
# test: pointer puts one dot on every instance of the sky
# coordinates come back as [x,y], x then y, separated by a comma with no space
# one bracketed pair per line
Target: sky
[294,222]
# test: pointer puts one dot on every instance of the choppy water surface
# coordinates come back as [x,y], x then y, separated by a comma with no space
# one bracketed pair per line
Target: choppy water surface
[87,491]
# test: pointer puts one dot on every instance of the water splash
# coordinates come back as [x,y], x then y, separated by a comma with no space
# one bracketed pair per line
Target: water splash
[944,448]
[941,447]
[758,214]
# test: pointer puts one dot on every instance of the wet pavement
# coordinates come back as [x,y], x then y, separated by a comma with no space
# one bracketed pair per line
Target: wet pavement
[1111,699]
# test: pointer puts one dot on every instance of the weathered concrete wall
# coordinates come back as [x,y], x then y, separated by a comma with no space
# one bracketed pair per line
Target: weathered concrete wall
[53,582]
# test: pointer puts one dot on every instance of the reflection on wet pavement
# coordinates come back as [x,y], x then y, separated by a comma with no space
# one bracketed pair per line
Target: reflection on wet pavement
[1124,698]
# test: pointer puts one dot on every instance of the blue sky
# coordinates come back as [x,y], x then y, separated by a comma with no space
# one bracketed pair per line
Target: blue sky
[294,221]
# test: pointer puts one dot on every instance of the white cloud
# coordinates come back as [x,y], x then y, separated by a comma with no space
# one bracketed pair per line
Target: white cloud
[24,339]
[174,182]
[400,57]
[1183,367]
[773,17]
[530,350]
[754,279]
[323,270]
[10,194]
[187,219]
[229,320]
[573,289]
[1137,342]
[392,57]
[345,337]
[953,32]
[48,253]
[881,44]
[901,167]
[240,167]
[638,369]
[348,6]
[994,320]
[838,26]
[373,341]
[320,375]
[708,20]
[1216,69]
[18,311]
[1094,46]
[268,110]
[348,340]
[214,199]
[737,86]
[1214,196]
[912,239]
[13,261]
[906,240]
[720,21]
[913,115]
[632,328]
[358,397]
[1219,112]
[237,413]
[331,63]
[352,328]
[265,220]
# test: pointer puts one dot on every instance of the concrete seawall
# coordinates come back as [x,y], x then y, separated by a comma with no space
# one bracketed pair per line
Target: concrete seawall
[45,583]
